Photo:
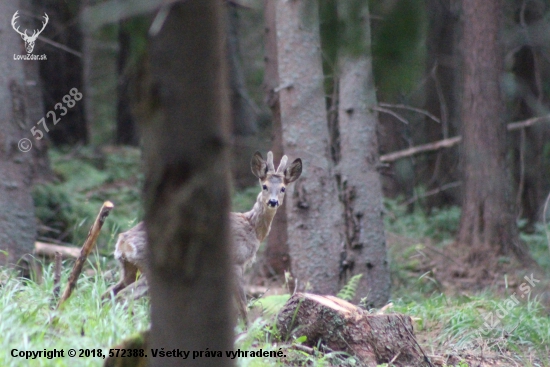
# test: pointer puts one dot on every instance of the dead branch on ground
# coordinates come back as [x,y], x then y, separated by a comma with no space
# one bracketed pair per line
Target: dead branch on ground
[49,250]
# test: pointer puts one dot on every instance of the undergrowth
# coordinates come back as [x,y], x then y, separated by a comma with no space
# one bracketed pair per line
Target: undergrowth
[86,179]
[29,320]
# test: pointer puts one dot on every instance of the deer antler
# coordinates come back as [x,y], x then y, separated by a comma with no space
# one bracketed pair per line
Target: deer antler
[270,166]
[13,21]
[282,165]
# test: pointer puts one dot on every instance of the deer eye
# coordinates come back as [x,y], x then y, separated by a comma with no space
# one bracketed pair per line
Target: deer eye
[283,189]
[264,187]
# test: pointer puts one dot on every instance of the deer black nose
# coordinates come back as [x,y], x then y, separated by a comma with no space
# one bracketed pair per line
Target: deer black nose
[272,203]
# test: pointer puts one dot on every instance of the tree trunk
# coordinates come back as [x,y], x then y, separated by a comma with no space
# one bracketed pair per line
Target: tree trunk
[63,70]
[358,179]
[183,116]
[244,119]
[277,257]
[126,129]
[314,211]
[488,220]
[328,321]
[17,221]
[41,171]
[99,56]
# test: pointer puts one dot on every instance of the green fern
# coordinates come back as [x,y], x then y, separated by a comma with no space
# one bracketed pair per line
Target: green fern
[348,291]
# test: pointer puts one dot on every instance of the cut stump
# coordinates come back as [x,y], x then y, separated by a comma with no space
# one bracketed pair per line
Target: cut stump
[341,326]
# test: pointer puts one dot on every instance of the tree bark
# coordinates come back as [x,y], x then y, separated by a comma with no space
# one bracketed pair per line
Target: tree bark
[17,221]
[41,171]
[244,118]
[183,115]
[358,179]
[488,218]
[277,257]
[126,128]
[313,209]
[62,70]
[99,56]
[331,322]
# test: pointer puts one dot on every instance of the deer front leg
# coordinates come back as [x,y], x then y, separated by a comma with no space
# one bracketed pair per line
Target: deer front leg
[240,295]
[128,276]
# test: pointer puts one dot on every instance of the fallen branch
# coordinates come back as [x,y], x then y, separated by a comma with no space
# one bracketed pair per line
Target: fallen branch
[451,142]
[49,250]
[86,250]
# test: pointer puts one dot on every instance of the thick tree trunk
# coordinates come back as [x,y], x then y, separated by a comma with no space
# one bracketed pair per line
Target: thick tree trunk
[488,213]
[314,212]
[358,179]
[183,116]
[331,322]
[244,118]
[99,56]
[126,129]
[63,69]
[17,221]
[277,257]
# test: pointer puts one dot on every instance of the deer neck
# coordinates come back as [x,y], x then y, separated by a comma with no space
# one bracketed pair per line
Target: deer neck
[260,217]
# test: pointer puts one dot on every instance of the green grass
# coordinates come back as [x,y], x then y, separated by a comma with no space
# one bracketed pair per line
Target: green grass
[458,323]
[29,321]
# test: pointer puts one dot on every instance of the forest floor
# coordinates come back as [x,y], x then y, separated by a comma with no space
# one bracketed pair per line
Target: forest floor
[462,315]
[509,283]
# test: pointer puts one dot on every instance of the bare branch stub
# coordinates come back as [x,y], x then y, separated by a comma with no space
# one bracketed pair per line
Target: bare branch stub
[86,249]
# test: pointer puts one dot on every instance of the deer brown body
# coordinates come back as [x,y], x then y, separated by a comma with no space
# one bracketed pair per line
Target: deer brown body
[248,229]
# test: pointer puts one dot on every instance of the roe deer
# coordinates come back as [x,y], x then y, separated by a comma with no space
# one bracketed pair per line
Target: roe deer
[248,229]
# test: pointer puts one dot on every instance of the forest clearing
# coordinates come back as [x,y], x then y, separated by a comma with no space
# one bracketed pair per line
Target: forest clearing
[275,183]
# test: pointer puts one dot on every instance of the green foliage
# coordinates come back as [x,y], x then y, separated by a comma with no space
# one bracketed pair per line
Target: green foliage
[87,178]
[242,201]
[537,243]
[398,45]
[458,323]
[348,291]
[440,225]
[29,321]
[271,305]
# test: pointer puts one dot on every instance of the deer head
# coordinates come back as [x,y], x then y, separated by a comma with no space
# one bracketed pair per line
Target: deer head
[29,40]
[274,182]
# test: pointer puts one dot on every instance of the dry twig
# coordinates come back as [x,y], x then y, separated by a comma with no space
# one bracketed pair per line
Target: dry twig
[86,250]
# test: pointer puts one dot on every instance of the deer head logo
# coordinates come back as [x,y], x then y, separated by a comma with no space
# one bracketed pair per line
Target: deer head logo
[29,40]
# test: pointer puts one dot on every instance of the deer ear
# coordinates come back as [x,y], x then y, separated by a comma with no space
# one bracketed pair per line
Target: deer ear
[258,166]
[293,172]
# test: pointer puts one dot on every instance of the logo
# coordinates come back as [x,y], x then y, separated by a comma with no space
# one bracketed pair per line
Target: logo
[29,39]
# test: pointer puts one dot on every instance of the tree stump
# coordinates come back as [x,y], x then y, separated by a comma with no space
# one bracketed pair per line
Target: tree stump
[341,326]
